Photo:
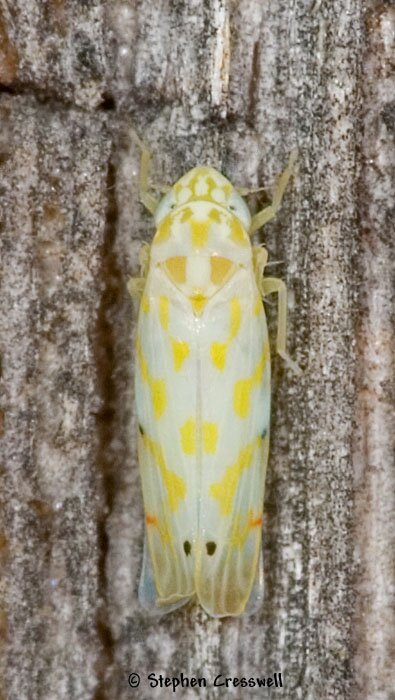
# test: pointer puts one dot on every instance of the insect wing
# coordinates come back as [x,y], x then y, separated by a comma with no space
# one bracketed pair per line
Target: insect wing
[235,398]
[165,380]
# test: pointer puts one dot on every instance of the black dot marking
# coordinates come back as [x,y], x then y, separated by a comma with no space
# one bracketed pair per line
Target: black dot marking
[263,433]
[141,429]
[211,547]
[187,547]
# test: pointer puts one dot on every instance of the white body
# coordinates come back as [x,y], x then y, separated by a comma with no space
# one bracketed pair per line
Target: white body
[203,401]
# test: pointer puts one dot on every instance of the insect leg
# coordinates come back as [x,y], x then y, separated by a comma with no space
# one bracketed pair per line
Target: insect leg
[268,213]
[259,257]
[146,197]
[270,285]
[136,284]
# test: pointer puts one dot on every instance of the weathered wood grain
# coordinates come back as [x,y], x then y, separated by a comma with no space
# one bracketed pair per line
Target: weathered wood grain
[237,85]
[374,436]
[54,179]
[56,49]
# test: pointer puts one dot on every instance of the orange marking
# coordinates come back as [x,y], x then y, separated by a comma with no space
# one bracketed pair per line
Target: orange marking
[151,519]
[255,522]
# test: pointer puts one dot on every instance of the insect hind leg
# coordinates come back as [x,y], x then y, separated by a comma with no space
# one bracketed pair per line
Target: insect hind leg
[272,285]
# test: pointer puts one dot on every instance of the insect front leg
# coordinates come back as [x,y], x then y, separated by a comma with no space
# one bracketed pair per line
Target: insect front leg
[146,197]
[268,213]
[136,284]
[270,285]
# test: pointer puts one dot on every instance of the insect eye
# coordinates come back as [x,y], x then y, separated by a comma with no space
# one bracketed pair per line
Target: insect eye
[238,206]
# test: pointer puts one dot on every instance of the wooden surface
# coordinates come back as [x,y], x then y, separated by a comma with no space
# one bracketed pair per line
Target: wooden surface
[237,85]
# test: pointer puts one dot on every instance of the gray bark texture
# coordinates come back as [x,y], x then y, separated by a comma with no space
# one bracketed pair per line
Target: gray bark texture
[237,85]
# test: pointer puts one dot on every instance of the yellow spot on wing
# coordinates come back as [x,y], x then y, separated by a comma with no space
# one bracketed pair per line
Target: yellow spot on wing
[158,395]
[241,397]
[224,491]
[164,312]
[219,351]
[238,533]
[258,308]
[188,437]
[164,229]
[243,387]
[218,354]
[143,363]
[210,437]
[180,350]
[174,484]
[157,386]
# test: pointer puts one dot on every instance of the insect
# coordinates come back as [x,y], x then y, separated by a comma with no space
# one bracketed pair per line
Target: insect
[203,393]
